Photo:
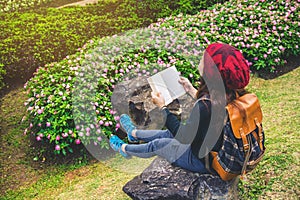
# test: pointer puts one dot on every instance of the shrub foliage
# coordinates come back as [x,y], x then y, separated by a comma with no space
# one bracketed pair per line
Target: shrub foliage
[40,34]
[267,32]
[65,108]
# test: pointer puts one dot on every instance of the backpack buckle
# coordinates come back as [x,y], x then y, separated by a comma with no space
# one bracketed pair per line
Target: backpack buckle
[245,140]
[246,147]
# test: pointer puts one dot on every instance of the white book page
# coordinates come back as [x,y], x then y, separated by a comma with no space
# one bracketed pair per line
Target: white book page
[171,78]
[157,84]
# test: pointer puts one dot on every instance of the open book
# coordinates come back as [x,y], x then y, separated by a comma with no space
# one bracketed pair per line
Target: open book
[166,82]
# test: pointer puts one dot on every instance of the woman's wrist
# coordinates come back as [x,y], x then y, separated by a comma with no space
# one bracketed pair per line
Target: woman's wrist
[193,93]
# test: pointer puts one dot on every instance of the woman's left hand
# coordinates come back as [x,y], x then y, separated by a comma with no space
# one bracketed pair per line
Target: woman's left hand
[158,99]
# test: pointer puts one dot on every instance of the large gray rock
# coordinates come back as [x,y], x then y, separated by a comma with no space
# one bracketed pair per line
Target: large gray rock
[162,181]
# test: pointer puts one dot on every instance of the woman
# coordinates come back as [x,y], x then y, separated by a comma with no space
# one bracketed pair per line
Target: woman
[185,145]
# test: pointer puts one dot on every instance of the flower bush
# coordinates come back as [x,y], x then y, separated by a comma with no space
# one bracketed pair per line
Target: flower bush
[267,32]
[69,102]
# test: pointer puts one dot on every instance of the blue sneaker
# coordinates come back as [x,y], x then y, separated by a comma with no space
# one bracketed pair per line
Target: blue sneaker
[116,144]
[128,126]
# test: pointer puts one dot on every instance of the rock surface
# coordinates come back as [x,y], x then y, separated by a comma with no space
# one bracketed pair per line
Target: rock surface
[133,97]
[162,181]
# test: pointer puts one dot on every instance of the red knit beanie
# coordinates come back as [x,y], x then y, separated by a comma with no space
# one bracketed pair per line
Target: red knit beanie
[231,64]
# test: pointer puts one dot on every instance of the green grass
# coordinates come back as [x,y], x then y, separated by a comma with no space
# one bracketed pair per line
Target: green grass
[277,176]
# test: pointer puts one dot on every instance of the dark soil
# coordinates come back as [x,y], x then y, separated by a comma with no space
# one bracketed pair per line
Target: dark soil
[292,63]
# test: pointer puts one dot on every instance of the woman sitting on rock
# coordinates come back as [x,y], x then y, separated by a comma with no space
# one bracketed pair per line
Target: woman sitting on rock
[224,74]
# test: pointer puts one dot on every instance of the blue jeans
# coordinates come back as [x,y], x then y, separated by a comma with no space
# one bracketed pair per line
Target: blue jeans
[163,144]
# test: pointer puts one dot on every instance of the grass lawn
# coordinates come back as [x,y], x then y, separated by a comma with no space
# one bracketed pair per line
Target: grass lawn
[277,176]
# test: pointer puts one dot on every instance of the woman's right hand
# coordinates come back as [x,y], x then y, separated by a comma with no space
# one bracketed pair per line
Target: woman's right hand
[188,87]
[158,99]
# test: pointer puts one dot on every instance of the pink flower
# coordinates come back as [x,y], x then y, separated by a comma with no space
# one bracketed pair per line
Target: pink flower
[57,147]
[256,58]
[57,138]
[38,138]
[80,134]
[117,118]
[77,141]
[48,124]
[117,125]
[39,111]
[265,55]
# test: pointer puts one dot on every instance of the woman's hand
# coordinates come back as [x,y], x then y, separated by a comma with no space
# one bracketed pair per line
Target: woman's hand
[158,99]
[188,87]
